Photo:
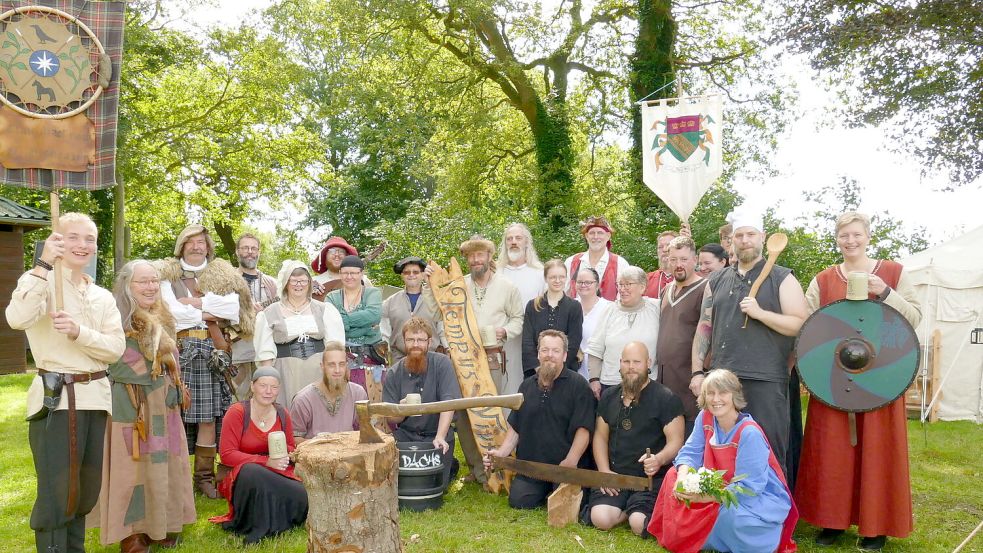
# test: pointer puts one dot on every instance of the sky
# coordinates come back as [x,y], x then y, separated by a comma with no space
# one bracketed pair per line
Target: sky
[814,153]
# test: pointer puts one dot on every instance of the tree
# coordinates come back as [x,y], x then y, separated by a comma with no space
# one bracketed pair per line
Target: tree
[211,138]
[917,65]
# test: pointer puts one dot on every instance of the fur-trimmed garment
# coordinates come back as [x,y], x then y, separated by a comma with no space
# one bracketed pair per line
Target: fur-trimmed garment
[218,277]
[154,332]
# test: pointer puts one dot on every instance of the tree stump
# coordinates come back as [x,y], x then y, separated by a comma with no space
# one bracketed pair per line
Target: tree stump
[351,490]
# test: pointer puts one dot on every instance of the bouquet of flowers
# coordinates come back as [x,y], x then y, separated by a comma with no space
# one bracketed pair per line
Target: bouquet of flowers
[711,483]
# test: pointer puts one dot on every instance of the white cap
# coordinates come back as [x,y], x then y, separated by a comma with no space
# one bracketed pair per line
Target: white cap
[745,217]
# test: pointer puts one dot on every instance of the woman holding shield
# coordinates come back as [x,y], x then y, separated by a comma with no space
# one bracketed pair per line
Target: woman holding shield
[840,485]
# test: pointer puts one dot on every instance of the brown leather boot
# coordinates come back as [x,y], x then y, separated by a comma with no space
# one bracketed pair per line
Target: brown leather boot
[137,543]
[204,477]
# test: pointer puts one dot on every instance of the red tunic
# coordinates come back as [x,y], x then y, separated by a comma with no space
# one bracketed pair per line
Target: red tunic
[867,485]
[657,283]
[237,449]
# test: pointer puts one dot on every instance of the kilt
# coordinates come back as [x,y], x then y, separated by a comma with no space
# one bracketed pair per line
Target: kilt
[210,396]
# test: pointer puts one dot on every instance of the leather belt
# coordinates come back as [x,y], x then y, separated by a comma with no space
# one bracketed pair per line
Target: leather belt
[73,456]
[199,333]
[302,350]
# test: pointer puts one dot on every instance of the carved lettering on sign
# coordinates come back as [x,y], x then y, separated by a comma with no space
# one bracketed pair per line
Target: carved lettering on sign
[62,144]
[488,424]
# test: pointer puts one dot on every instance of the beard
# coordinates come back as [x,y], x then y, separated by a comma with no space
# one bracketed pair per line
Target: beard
[248,262]
[479,271]
[416,361]
[514,255]
[334,385]
[632,384]
[748,255]
[547,373]
[680,276]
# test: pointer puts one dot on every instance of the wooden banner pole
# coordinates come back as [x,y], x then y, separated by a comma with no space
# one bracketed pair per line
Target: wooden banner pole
[59,286]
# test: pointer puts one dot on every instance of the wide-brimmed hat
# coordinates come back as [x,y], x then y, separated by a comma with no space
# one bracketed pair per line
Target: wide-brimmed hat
[477,243]
[187,233]
[320,264]
[411,260]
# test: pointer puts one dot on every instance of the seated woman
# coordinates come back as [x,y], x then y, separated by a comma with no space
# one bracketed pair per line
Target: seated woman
[726,439]
[264,495]
[146,494]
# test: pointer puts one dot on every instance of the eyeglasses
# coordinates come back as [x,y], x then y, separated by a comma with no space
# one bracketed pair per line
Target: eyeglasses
[352,274]
[337,251]
[248,249]
[299,281]
[586,283]
[626,285]
[149,282]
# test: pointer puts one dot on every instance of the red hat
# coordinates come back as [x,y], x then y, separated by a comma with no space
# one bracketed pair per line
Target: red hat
[320,264]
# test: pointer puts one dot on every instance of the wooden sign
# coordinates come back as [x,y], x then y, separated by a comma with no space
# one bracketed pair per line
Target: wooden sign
[488,424]
[62,144]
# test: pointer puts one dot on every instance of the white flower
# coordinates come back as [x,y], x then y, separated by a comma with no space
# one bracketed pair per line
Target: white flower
[690,482]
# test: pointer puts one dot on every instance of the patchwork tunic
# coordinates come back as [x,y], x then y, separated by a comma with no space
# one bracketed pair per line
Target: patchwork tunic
[147,491]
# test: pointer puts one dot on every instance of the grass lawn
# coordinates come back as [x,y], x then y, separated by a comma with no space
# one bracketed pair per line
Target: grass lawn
[947,476]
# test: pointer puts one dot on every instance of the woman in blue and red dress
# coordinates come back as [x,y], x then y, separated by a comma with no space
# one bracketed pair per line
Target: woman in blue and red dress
[265,496]
[868,484]
[726,439]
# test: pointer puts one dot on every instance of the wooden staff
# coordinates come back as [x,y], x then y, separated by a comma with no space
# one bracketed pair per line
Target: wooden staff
[59,288]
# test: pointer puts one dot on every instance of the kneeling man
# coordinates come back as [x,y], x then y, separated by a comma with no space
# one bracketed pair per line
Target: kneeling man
[431,375]
[328,405]
[554,424]
[639,431]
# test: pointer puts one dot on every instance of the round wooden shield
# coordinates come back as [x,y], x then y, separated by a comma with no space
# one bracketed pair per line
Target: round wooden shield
[857,356]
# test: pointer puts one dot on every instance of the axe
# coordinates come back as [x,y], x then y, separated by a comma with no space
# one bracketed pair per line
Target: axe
[367,434]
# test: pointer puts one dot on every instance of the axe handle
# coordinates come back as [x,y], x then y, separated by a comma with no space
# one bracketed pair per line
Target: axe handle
[513,401]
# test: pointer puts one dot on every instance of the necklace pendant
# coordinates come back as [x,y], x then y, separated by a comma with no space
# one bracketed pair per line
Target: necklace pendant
[626,423]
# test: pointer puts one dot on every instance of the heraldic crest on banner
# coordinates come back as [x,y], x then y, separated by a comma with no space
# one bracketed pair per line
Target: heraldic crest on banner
[681,136]
[51,64]
[683,154]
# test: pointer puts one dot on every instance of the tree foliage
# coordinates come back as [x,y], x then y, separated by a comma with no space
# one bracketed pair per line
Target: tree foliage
[915,64]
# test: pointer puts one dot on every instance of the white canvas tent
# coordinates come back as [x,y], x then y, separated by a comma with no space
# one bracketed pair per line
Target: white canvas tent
[948,281]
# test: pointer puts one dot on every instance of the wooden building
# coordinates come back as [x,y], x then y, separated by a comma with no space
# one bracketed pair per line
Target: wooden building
[15,220]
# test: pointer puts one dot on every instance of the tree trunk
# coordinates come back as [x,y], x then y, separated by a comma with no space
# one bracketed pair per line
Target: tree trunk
[351,490]
[555,160]
[224,232]
[651,70]
[119,224]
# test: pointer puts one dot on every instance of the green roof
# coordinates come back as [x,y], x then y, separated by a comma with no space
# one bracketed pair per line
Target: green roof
[12,213]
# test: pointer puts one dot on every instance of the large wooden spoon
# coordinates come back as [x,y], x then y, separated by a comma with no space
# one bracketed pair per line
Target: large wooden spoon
[776,245]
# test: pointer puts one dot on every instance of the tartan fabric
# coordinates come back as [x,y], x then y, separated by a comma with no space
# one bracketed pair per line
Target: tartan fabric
[210,396]
[106,21]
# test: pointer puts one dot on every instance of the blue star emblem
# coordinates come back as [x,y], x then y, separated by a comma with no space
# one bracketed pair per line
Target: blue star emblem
[44,63]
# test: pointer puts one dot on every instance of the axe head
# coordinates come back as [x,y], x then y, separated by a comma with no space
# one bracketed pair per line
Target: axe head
[367,434]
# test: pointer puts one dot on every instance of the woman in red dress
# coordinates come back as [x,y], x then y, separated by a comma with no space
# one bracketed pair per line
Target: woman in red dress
[264,495]
[868,485]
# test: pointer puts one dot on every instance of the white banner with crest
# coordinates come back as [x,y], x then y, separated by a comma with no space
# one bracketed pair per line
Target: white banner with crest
[681,149]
